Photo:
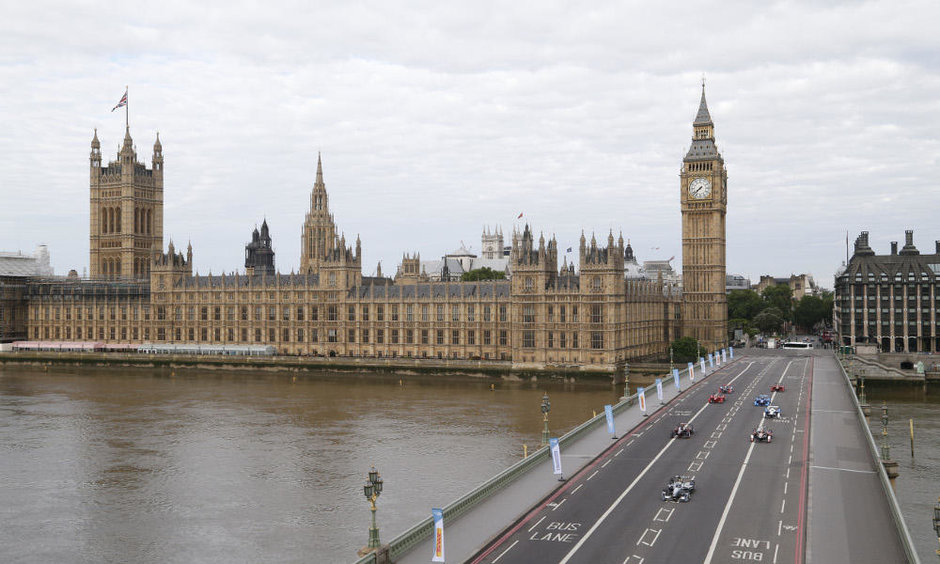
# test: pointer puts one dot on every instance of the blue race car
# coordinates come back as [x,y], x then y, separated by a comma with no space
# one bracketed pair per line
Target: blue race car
[762,400]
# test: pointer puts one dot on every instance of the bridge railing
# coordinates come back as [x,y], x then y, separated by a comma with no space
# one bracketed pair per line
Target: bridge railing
[423,529]
[906,541]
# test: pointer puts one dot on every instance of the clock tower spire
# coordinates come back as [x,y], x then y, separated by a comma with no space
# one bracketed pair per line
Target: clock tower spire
[704,202]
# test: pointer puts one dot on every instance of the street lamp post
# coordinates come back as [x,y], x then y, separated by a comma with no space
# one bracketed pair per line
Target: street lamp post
[885,449]
[671,367]
[936,522]
[546,407]
[372,489]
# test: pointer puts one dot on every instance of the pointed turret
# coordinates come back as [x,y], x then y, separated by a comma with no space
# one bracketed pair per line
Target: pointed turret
[703,117]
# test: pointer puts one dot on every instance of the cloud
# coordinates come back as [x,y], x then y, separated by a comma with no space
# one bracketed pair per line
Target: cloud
[435,119]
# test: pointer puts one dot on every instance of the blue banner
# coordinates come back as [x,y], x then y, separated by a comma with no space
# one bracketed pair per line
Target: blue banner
[731,352]
[640,393]
[659,389]
[701,362]
[609,412]
[556,456]
[724,355]
[711,361]
[438,516]
[675,377]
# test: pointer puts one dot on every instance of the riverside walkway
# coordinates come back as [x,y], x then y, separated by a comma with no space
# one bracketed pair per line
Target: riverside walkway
[816,493]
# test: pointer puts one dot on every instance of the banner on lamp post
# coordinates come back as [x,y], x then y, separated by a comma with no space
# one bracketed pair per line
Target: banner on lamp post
[701,362]
[724,355]
[691,371]
[711,361]
[731,352]
[556,458]
[438,516]
[675,378]
[641,395]
[659,389]
[609,412]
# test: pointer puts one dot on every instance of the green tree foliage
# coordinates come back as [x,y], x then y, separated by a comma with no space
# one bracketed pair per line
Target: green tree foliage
[485,273]
[779,296]
[810,310]
[685,349]
[770,320]
[744,304]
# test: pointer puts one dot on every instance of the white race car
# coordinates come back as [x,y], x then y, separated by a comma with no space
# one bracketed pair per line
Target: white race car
[772,411]
[679,489]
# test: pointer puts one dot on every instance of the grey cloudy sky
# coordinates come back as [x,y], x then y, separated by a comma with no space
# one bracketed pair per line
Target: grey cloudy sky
[437,118]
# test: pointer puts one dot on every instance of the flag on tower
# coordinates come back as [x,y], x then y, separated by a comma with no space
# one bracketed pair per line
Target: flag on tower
[122,102]
[519,216]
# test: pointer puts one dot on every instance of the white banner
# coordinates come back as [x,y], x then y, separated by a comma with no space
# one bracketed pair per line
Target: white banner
[659,389]
[438,516]
[675,377]
[731,352]
[642,397]
[701,362]
[556,456]
[691,372]
[724,355]
[711,361]
[609,412]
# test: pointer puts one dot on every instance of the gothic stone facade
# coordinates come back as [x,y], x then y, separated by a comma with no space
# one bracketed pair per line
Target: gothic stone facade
[545,315]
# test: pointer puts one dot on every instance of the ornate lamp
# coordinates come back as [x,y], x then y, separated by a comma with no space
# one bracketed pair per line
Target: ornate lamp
[372,489]
[546,407]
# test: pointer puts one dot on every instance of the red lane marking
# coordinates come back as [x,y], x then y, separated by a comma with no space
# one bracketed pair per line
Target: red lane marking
[525,520]
[798,557]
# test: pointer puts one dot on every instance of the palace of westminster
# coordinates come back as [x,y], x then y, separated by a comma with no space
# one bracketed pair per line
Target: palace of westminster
[545,314]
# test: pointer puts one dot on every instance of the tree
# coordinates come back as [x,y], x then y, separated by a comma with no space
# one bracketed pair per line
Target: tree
[779,296]
[810,310]
[485,273]
[684,349]
[744,304]
[769,321]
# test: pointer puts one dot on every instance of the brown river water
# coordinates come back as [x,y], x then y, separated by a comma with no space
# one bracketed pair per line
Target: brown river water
[121,465]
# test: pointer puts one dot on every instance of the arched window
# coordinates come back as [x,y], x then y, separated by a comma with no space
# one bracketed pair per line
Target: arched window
[117,268]
[117,214]
[103,220]
[110,220]
[149,222]
[136,220]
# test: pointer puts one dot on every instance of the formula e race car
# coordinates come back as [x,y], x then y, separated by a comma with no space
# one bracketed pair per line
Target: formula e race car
[716,398]
[777,388]
[772,411]
[683,431]
[678,489]
[762,400]
[726,389]
[762,435]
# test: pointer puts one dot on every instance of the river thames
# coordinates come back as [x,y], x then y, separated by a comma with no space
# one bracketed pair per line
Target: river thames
[119,465]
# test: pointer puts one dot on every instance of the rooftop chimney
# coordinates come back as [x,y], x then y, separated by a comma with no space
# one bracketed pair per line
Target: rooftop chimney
[909,248]
[937,242]
[894,248]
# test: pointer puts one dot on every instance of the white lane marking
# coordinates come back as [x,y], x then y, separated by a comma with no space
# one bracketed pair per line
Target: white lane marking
[695,467]
[652,542]
[779,526]
[582,485]
[776,548]
[783,505]
[721,427]
[537,523]
[791,448]
[592,475]
[501,554]
[618,452]
[560,503]
[662,510]
[619,499]
[785,484]
[716,435]
[710,444]
[788,473]
[790,459]
[604,465]
[630,443]
[629,559]
[842,469]
[702,454]
[830,411]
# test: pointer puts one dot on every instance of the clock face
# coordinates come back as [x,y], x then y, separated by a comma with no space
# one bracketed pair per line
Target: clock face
[700,188]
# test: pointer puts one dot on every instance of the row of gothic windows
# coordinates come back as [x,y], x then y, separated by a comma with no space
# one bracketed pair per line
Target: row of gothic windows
[110,220]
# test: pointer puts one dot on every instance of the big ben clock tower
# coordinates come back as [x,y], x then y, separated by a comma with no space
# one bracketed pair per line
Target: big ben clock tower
[704,198]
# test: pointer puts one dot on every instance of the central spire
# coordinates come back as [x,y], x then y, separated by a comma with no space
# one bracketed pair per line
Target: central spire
[703,117]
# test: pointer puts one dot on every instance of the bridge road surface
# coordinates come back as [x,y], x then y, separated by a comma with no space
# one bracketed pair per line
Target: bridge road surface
[749,501]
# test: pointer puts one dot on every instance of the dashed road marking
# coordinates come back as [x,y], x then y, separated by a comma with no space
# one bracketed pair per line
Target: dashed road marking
[618,452]
[592,475]
[710,444]
[604,465]
[537,523]
[501,554]
[783,505]
[577,488]
[661,512]
[559,504]
[695,467]
[650,542]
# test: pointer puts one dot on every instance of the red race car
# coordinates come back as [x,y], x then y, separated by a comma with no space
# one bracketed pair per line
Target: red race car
[716,398]
[777,388]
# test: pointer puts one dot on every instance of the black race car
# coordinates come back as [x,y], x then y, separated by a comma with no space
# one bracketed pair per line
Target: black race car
[762,435]
[679,489]
[726,389]
[683,431]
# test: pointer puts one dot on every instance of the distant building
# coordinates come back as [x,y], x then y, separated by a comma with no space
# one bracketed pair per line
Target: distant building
[653,269]
[800,284]
[456,263]
[890,300]
[15,271]
[736,282]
